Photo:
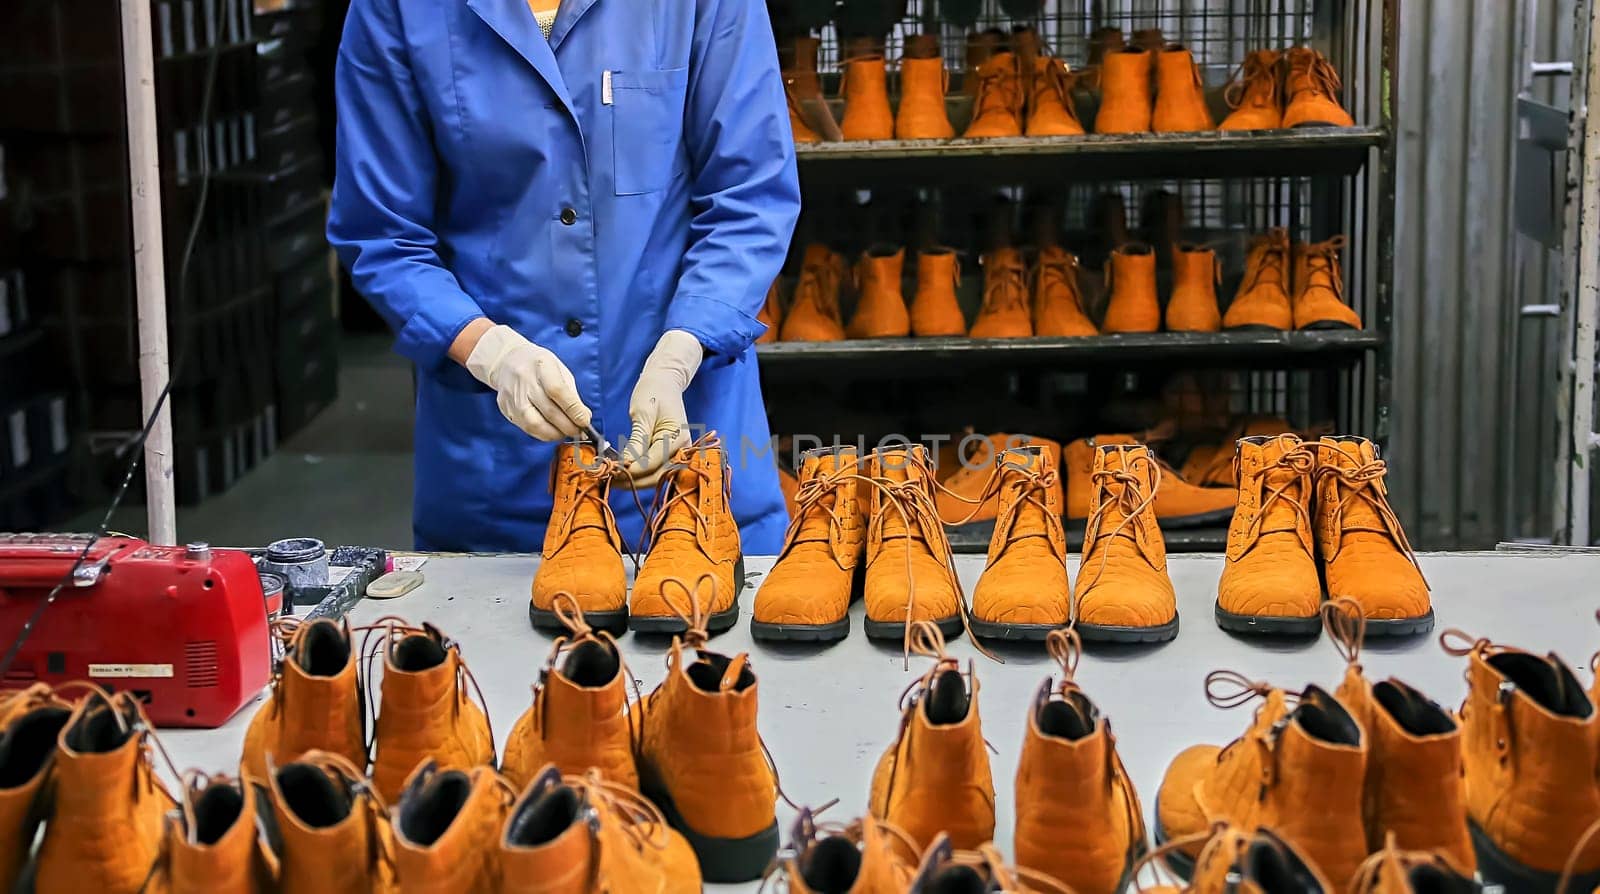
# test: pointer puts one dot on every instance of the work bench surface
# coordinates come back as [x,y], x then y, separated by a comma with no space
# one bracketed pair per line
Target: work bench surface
[828,712]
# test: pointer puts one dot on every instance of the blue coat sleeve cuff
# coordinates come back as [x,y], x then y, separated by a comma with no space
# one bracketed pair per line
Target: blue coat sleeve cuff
[426,336]
[724,330]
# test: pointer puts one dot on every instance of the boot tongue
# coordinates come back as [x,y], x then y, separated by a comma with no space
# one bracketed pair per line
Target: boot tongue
[1120,496]
[685,493]
[577,487]
[817,517]
[1020,471]
[1358,513]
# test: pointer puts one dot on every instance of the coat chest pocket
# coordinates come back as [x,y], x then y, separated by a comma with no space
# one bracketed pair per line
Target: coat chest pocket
[647,127]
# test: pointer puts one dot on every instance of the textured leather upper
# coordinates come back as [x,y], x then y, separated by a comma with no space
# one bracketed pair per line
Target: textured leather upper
[934,309]
[1051,110]
[305,712]
[1005,312]
[1263,296]
[1133,306]
[865,88]
[1180,94]
[1058,296]
[582,547]
[1258,102]
[997,107]
[1193,305]
[1025,578]
[935,778]
[1313,89]
[814,310]
[427,714]
[462,857]
[909,563]
[881,310]
[1122,581]
[692,533]
[1270,570]
[575,727]
[922,114]
[1125,105]
[1363,548]
[359,837]
[812,579]
[237,860]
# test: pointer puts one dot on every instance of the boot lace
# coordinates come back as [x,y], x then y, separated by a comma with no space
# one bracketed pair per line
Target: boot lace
[1346,625]
[1005,285]
[1213,840]
[998,89]
[1363,483]
[1322,258]
[1003,878]
[1055,80]
[1570,868]
[1269,266]
[1309,69]
[1125,490]
[570,614]
[1027,485]
[1369,877]
[1057,271]
[673,501]
[592,484]
[1228,689]
[1298,458]
[811,499]
[1256,80]
[807,831]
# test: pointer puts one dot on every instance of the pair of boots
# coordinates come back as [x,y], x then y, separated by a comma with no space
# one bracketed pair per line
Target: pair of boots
[864,84]
[1019,90]
[867,528]
[1315,513]
[1054,308]
[1274,271]
[691,533]
[1078,818]
[1134,305]
[1146,89]
[881,310]
[697,756]
[1370,768]
[1296,88]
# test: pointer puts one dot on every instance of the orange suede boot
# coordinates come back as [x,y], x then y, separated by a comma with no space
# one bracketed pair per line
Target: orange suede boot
[1313,88]
[934,779]
[1005,297]
[444,830]
[579,834]
[334,827]
[1123,592]
[424,711]
[1131,274]
[103,828]
[1319,291]
[1262,301]
[315,700]
[1298,772]
[1052,112]
[795,85]
[864,84]
[1365,553]
[1022,593]
[1078,817]
[1179,504]
[217,842]
[934,310]
[860,858]
[807,594]
[1529,736]
[1193,305]
[910,570]
[692,532]
[582,548]
[1125,101]
[1270,583]
[1391,870]
[881,306]
[1413,796]
[1057,296]
[33,722]
[769,316]
[814,312]
[1256,93]
[701,759]
[1180,93]
[579,717]
[945,870]
[923,82]
[997,107]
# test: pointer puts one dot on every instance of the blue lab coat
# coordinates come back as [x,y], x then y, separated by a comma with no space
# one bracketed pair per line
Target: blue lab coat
[631,174]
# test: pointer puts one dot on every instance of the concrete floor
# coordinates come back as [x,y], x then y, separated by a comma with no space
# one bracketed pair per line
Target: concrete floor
[345,478]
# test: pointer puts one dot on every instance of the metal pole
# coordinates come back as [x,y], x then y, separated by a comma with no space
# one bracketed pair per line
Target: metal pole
[149,271]
[1586,309]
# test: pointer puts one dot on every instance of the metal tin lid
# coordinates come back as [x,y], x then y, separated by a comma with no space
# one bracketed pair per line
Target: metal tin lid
[295,550]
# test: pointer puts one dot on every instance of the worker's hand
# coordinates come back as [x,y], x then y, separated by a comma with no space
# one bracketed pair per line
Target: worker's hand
[660,424]
[535,389]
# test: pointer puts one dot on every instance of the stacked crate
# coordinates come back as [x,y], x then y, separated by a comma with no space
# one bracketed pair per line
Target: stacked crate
[65,128]
[290,175]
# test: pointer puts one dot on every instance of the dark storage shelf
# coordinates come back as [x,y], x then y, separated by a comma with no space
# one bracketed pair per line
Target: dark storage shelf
[1306,151]
[907,355]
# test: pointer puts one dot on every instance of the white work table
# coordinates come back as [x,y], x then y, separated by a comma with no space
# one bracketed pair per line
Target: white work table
[827,713]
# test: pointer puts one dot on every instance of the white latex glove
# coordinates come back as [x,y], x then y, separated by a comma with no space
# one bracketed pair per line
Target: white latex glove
[660,423]
[535,389]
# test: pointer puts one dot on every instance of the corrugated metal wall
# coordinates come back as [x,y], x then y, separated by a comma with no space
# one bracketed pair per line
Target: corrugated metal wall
[1471,442]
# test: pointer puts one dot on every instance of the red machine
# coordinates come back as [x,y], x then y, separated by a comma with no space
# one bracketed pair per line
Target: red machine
[183,627]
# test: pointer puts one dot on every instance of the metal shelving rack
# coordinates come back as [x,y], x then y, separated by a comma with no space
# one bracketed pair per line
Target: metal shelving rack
[1317,182]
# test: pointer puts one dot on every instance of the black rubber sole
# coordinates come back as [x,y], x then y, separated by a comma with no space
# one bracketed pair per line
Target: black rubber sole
[950,627]
[1253,327]
[1181,864]
[1400,626]
[722,860]
[1328,326]
[801,633]
[1263,625]
[1013,632]
[613,622]
[715,623]
[1499,869]
[1101,633]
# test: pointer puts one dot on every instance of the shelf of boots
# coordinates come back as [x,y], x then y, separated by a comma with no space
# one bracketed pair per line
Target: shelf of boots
[905,356]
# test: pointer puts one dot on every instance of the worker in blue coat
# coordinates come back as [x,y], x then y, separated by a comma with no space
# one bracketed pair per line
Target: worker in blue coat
[563,229]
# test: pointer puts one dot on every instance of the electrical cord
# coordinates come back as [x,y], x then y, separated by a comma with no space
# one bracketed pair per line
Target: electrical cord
[136,445]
